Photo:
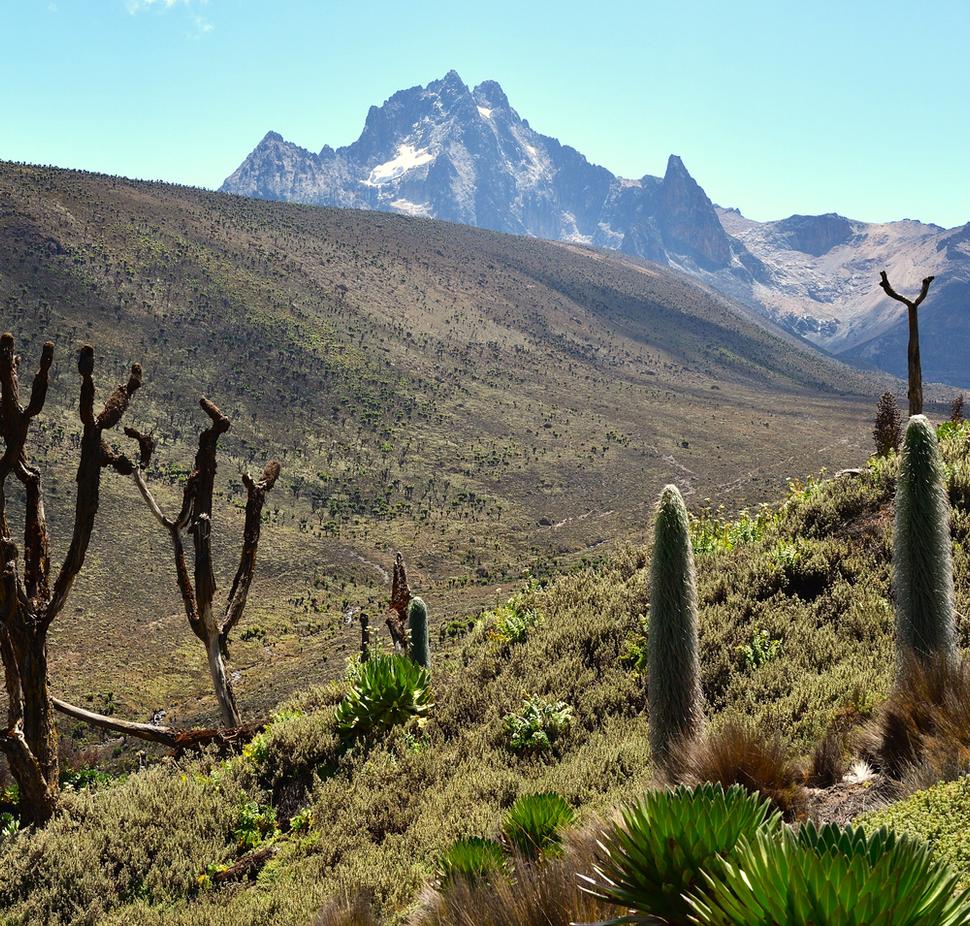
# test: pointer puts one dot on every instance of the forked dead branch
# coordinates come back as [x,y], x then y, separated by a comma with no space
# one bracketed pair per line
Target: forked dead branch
[212,627]
[915,392]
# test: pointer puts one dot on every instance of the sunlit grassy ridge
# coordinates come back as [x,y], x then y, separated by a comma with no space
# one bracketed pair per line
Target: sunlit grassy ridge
[796,632]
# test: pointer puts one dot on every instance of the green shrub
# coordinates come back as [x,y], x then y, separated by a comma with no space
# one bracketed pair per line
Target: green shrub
[390,691]
[710,532]
[633,655]
[256,824]
[922,554]
[535,823]
[537,725]
[657,853]
[470,858]
[674,690]
[938,817]
[830,877]
[302,821]
[81,778]
[513,623]
[762,649]
[9,825]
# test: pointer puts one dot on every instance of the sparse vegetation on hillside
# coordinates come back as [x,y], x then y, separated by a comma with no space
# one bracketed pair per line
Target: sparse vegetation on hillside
[376,816]
[530,395]
[499,399]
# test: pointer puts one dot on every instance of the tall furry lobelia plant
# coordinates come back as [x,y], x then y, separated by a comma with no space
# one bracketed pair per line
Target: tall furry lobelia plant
[674,690]
[419,646]
[922,553]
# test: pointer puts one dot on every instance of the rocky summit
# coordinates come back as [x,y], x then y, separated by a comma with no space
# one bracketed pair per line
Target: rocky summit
[448,151]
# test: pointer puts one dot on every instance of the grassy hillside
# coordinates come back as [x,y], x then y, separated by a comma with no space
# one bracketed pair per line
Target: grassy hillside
[796,635]
[490,405]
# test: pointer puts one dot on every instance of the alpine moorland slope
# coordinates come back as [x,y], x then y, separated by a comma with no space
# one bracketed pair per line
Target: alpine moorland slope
[483,402]
[796,634]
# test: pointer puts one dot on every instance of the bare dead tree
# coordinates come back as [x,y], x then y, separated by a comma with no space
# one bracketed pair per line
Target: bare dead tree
[195,517]
[28,602]
[397,618]
[915,391]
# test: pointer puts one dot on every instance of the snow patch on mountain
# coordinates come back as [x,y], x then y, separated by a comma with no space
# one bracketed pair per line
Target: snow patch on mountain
[406,158]
[405,207]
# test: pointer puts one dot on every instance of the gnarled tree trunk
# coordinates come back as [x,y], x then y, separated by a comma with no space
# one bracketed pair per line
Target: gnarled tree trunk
[195,517]
[28,603]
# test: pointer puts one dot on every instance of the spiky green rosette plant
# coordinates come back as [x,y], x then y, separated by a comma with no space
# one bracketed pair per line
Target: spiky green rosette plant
[535,823]
[832,876]
[655,855]
[922,556]
[419,647]
[389,691]
[673,686]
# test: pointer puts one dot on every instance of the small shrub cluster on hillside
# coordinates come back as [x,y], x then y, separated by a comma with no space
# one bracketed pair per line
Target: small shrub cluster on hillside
[938,816]
[537,726]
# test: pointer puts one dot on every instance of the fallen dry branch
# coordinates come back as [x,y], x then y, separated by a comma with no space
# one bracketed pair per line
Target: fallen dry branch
[181,740]
[246,867]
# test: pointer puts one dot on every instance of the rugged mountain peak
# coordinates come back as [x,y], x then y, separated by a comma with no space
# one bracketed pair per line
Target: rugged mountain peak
[449,152]
[450,82]
[676,169]
[490,95]
[688,221]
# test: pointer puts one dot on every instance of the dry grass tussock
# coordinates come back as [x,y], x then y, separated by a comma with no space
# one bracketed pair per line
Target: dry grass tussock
[921,735]
[543,894]
[744,754]
[350,911]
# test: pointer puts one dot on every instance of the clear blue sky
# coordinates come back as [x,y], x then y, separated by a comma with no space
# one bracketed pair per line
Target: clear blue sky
[776,107]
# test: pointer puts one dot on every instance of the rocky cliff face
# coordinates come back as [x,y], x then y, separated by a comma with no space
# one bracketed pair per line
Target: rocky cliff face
[688,222]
